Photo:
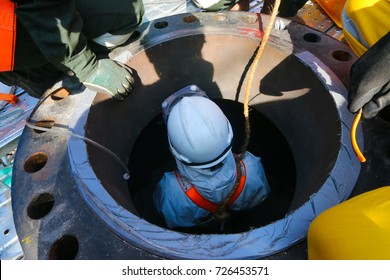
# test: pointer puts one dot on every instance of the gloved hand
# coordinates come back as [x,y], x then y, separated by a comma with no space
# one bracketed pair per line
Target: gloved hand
[112,78]
[370,80]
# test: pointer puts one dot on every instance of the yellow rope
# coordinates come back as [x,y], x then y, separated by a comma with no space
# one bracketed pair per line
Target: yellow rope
[260,50]
[221,213]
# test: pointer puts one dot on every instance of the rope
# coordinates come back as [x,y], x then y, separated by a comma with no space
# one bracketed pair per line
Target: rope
[259,52]
[222,214]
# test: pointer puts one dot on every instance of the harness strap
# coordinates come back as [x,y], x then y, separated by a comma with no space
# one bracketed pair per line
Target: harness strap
[197,198]
[10,98]
[7,35]
[200,200]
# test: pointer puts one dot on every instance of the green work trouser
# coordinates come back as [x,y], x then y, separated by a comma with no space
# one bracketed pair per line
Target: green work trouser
[32,70]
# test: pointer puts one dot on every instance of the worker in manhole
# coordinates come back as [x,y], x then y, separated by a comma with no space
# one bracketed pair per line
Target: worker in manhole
[220,5]
[43,42]
[210,183]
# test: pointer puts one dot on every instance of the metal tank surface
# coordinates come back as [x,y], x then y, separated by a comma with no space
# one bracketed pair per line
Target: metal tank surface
[70,200]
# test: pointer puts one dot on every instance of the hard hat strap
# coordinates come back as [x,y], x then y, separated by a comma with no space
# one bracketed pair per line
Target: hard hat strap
[199,164]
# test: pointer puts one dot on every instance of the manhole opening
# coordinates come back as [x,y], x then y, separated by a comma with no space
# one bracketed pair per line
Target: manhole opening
[150,159]
[47,122]
[6,232]
[35,162]
[65,248]
[40,206]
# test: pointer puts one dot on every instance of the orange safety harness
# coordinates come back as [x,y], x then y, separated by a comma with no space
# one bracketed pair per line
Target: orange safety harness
[197,198]
[7,42]
[7,35]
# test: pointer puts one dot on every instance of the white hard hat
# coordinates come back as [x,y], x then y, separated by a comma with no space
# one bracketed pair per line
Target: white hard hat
[199,133]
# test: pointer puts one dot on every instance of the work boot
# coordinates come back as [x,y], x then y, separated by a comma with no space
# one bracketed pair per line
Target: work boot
[242,5]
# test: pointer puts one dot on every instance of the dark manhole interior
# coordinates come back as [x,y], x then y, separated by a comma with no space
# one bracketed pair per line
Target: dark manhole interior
[150,158]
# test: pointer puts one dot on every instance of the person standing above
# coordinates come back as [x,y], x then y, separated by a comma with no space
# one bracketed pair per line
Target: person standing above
[359,228]
[50,39]
[366,27]
[210,182]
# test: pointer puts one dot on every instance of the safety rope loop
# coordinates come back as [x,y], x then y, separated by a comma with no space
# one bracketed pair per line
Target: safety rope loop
[222,213]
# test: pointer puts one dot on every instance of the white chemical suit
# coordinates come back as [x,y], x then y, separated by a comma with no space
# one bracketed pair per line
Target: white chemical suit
[180,211]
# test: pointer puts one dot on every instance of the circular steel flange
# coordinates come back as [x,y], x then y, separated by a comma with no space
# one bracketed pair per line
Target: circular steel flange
[70,199]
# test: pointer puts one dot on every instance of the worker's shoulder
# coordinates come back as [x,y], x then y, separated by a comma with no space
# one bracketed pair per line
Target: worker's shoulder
[252,162]
[169,185]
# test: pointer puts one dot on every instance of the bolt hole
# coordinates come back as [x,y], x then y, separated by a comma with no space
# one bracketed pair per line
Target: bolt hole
[161,24]
[65,248]
[46,122]
[341,55]
[40,206]
[35,162]
[250,19]
[6,232]
[312,38]
[220,17]
[190,19]
[60,94]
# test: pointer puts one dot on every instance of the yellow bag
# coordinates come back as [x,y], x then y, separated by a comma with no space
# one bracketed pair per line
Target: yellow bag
[333,9]
[365,22]
[358,228]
